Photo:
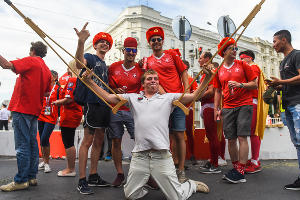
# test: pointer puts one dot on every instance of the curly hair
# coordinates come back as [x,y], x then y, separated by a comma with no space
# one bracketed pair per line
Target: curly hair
[39,49]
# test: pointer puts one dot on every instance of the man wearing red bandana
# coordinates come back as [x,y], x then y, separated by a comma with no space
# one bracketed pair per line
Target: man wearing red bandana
[253,165]
[96,112]
[173,79]
[234,81]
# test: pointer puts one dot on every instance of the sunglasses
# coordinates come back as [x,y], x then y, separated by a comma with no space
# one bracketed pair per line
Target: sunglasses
[130,49]
[156,39]
[234,48]
[104,41]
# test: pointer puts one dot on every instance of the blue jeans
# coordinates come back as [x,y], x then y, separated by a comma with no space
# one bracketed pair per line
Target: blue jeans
[25,130]
[292,114]
[45,130]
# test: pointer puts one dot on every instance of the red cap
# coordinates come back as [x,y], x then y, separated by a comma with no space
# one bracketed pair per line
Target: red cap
[155,31]
[230,42]
[130,42]
[103,36]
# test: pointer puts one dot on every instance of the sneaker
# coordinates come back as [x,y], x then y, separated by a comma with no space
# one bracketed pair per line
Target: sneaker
[293,186]
[41,165]
[83,187]
[181,176]
[108,158]
[96,181]
[207,165]
[234,176]
[152,184]
[119,181]
[47,168]
[211,170]
[33,182]
[222,162]
[201,187]
[252,168]
[13,186]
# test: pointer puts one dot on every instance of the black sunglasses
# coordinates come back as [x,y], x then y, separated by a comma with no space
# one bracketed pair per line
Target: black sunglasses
[156,39]
[234,48]
[130,49]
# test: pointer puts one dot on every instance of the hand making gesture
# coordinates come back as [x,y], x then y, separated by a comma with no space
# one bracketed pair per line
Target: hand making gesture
[83,34]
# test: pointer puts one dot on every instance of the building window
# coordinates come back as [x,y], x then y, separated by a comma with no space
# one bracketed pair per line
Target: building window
[272,72]
[134,34]
[133,24]
[134,13]
[172,44]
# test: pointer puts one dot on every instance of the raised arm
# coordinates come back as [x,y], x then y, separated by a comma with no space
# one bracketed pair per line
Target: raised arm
[110,98]
[5,64]
[82,37]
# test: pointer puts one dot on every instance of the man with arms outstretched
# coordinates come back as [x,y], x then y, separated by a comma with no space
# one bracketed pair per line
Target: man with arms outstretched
[151,155]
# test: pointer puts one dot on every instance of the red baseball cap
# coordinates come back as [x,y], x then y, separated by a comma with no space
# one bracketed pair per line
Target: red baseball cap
[155,31]
[230,42]
[103,36]
[130,42]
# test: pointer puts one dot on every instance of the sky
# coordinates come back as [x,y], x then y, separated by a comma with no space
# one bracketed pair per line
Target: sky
[57,18]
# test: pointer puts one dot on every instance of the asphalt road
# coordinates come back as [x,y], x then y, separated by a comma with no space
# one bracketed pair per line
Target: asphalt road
[265,185]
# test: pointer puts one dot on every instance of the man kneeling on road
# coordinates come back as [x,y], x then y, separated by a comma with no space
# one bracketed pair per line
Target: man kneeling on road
[151,155]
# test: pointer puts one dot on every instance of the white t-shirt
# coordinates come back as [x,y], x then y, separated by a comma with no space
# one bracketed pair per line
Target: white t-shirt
[151,119]
[4,114]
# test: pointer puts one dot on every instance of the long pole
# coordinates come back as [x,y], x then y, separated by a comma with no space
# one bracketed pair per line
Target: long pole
[43,35]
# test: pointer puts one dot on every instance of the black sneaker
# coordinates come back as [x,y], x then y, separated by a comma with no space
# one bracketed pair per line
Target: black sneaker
[293,186]
[83,187]
[234,176]
[119,181]
[96,181]
[206,166]
[211,170]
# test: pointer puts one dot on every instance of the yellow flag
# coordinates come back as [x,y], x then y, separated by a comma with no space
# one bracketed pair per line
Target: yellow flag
[262,108]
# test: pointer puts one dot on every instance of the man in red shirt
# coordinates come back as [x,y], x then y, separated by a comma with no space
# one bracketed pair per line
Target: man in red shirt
[26,104]
[235,80]
[207,113]
[172,74]
[124,77]
[253,165]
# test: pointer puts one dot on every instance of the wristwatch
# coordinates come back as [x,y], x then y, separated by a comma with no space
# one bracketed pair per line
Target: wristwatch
[242,85]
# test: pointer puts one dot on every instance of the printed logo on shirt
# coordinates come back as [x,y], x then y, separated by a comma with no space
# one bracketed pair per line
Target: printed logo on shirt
[70,84]
[134,75]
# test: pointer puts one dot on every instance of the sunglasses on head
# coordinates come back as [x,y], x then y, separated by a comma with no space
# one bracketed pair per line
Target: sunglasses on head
[156,39]
[130,49]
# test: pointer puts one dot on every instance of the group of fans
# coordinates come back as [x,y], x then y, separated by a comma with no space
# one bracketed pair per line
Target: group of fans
[149,87]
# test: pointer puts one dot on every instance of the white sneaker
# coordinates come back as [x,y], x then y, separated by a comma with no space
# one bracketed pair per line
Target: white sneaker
[47,168]
[41,165]
[222,162]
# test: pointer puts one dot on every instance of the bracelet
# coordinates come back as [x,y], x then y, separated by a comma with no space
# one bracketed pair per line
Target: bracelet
[242,85]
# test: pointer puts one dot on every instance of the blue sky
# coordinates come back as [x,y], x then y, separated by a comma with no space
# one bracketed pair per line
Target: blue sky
[57,18]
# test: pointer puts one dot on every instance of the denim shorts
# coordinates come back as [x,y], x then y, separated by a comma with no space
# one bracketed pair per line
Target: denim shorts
[118,121]
[177,120]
